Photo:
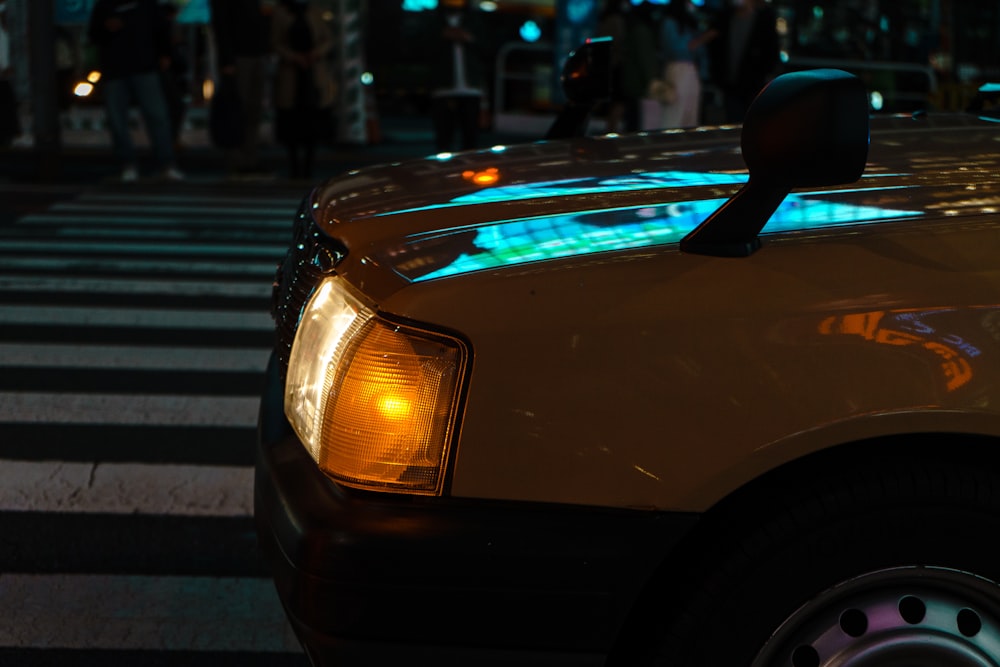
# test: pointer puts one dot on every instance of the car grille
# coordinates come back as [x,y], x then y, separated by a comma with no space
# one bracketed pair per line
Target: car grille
[310,256]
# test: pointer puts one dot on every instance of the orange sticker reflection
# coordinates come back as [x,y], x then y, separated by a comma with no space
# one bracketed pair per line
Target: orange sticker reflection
[955,367]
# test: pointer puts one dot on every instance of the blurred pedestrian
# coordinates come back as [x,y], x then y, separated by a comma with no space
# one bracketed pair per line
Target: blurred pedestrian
[134,48]
[304,89]
[640,69]
[458,62]
[243,47]
[66,67]
[679,31]
[612,24]
[10,124]
[745,53]
[174,77]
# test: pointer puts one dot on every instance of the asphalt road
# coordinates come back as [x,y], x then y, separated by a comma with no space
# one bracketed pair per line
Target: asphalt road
[133,333]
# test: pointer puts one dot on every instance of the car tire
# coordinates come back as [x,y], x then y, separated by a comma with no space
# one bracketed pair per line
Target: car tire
[889,564]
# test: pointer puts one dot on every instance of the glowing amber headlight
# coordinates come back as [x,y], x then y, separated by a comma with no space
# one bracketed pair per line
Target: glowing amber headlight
[374,402]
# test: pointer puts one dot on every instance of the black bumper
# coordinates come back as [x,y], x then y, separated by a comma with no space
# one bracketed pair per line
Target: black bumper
[376,579]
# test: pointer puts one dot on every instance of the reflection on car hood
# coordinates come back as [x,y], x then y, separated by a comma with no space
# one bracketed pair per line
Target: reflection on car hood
[509,175]
[450,214]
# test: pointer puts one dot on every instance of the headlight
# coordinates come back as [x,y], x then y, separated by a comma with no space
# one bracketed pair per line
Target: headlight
[373,401]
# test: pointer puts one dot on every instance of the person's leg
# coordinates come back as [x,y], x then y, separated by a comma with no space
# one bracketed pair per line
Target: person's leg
[173,97]
[294,169]
[683,111]
[442,117]
[673,111]
[250,77]
[692,100]
[736,106]
[308,158]
[117,97]
[468,121]
[650,114]
[631,114]
[149,94]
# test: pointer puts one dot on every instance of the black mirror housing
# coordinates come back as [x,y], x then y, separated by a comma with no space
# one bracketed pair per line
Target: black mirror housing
[805,129]
[808,128]
[586,74]
[586,81]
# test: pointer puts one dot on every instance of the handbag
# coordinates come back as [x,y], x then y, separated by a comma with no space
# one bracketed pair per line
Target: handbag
[226,126]
[662,90]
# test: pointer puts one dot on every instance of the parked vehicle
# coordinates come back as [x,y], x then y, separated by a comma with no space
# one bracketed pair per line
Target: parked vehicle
[728,396]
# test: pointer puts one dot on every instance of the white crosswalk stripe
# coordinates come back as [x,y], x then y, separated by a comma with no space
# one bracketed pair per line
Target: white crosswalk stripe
[131,357]
[205,266]
[125,488]
[134,333]
[67,408]
[133,317]
[181,286]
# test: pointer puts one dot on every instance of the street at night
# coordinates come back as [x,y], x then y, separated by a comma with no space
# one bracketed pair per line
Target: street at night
[135,329]
[547,333]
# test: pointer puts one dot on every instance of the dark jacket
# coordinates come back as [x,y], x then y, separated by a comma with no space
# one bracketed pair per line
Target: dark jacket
[640,65]
[758,63]
[240,30]
[441,63]
[138,45]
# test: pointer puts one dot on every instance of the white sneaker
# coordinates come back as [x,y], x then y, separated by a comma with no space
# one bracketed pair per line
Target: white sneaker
[173,174]
[130,174]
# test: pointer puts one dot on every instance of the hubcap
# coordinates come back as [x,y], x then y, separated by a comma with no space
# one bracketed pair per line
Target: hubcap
[901,617]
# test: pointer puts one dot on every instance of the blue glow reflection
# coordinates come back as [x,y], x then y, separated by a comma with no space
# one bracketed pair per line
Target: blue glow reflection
[647,180]
[524,240]
[584,186]
[644,181]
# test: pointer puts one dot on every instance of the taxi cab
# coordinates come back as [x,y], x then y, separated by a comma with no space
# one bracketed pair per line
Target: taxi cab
[724,396]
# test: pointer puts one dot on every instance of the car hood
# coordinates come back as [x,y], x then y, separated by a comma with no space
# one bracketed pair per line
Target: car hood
[448,215]
[490,183]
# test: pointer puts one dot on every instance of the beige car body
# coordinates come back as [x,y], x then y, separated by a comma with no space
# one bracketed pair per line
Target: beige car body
[625,373]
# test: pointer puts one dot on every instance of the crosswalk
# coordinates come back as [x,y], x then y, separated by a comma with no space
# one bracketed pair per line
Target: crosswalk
[134,332]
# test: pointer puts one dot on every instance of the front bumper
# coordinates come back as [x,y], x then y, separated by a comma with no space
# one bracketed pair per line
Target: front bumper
[375,579]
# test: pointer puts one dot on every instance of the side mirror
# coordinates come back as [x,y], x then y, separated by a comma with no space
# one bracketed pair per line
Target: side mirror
[986,103]
[805,129]
[586,81]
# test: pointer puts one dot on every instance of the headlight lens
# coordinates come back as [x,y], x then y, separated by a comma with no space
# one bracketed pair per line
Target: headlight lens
[374,402]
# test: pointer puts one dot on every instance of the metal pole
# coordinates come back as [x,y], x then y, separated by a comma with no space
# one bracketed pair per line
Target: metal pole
[352,114]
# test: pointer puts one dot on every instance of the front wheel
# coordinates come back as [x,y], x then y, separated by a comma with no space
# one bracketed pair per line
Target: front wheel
[893,563]
[900,617]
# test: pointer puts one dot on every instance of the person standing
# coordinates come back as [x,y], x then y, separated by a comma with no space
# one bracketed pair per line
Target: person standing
[745,53]
[242,46]
[174,78]
[612,24]
[639,70]
[10,124]
[304,90]
[133,49]
[678,46]
[66,67]
[457,68]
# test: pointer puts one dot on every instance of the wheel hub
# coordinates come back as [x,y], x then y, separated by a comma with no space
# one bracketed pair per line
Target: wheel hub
[902,617]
